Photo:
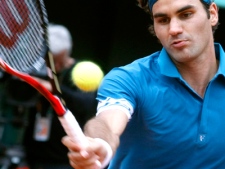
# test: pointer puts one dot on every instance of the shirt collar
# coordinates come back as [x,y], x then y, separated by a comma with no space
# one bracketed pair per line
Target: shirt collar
[221,57]
[166,65]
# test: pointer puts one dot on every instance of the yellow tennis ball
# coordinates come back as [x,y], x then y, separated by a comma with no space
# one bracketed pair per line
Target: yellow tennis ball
[87,76]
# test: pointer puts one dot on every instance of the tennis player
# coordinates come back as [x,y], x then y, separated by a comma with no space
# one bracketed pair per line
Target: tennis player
[166,110]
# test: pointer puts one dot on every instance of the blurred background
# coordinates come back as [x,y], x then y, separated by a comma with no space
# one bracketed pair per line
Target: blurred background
[112,33]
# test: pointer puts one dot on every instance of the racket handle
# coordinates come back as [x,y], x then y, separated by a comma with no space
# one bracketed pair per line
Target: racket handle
[72,128]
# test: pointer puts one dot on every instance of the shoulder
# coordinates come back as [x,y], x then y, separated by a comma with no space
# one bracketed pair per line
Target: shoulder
[131,77]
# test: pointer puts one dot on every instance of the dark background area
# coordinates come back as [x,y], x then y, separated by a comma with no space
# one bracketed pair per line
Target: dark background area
[110,33]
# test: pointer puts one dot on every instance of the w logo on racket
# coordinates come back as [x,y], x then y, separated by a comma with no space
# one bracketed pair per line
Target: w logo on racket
[14,19]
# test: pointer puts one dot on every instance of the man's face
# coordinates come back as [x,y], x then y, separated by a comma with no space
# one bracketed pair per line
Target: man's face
[183,28]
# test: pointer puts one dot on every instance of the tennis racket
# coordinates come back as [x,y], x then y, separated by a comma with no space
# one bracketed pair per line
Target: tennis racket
[23,50]
[23,47]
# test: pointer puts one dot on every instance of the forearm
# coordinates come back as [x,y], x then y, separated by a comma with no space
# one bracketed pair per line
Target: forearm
[107,126]
[101,130]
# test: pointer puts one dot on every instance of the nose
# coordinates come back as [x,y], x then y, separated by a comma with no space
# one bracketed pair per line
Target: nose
[175,27]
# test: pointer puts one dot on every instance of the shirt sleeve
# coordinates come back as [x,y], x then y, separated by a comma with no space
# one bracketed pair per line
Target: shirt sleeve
[119,90]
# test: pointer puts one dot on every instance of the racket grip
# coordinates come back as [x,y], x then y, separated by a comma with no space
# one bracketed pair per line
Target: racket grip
[72,128]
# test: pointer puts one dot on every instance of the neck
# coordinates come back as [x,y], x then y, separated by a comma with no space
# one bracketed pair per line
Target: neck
[199,74]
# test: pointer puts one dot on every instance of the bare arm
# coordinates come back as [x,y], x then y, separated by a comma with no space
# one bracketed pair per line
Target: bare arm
[108,125]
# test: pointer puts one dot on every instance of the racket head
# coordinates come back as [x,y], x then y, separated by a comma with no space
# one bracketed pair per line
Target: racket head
[23,34]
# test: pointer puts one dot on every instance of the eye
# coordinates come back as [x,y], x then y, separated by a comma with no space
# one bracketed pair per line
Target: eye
[186,15]
[163,20]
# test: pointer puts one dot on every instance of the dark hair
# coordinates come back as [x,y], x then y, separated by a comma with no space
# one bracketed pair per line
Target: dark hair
[144,5]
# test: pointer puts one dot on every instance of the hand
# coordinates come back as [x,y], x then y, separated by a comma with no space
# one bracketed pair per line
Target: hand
[91,157]
[45,83]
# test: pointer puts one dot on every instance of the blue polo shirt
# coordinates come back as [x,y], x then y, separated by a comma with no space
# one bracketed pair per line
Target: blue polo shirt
[171,126]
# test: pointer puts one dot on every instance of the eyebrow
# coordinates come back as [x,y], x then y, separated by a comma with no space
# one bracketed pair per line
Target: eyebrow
[178,11]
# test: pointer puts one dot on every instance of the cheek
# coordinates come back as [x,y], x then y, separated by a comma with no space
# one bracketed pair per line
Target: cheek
[202,30]
[161,35]
[199,25]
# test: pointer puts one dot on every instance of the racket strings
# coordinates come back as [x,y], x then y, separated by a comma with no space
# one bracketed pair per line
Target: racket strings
[23,34]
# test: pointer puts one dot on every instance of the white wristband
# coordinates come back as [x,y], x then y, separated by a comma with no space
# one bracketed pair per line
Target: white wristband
[109,152]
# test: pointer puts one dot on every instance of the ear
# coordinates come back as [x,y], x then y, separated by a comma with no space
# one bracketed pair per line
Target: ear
[214,15]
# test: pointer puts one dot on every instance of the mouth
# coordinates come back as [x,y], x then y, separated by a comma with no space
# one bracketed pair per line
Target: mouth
[179,43]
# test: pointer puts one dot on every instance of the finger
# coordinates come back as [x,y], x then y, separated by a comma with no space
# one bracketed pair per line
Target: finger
[78,161]
[66,140]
